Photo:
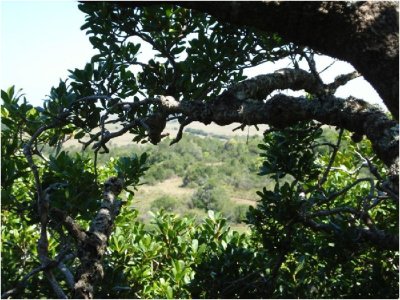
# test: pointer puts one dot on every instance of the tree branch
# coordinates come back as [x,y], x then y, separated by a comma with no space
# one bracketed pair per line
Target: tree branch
[342,80]
[69,277]
[92,249]
[72,227]
[24,281]
[22,284]
[261,86]
[378,238]
[180,131]
[283,111]
[332,159]
[368,29]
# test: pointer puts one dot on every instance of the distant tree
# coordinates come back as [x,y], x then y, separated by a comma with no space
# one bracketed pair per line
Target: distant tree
[210,197]
[321,207]
[165,202]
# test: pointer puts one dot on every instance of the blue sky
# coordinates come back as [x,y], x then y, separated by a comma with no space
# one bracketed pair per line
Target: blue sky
[41,40]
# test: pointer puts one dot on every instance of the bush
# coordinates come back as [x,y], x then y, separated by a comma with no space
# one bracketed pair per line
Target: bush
[243,181]
[159,173]
[211,197]
[197,175]
[165,202]
[198,215]
[240,213]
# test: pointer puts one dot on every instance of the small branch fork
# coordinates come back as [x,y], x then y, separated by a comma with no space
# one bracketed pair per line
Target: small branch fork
[91,246]
[370,232]
[43,202]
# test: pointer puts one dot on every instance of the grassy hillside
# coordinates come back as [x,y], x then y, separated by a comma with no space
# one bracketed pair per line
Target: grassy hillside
[196,128]
[203,171]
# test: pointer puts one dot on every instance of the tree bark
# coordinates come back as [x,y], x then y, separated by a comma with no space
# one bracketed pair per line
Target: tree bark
[94,245]
[365,34]
[282,111]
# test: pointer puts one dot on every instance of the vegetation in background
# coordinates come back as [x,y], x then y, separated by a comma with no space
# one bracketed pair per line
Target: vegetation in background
[325,224]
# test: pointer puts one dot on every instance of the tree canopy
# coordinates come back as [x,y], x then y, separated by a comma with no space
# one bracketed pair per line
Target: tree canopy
[327,228]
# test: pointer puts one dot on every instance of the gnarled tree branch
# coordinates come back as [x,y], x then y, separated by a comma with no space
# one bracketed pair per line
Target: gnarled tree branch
[368,29]
[245,103]
[91,250]
[282,111]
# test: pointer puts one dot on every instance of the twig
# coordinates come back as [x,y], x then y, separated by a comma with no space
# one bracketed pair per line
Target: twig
[241,126]
[234,284]
[89,98]
[323,144]
[341,80]
[180,131]
[24,281]
[27,150]
[73,228]
[363,216]
[346,189]
[386,187]
[114,134]
[311,63]
[379,238]
[332,159]
[374,170]
[328,66]
[91,140]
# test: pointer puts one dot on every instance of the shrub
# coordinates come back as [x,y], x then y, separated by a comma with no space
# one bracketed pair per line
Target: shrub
[165,202]
[239,213]
[159,172]
[211,197]
[197,176]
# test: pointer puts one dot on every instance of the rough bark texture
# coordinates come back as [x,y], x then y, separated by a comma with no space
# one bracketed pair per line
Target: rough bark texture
[93,247]
[243,103]
[282,111]
[362,33]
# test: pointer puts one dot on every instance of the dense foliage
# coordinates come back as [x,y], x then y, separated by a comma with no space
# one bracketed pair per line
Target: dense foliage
[178,258]
[325,224]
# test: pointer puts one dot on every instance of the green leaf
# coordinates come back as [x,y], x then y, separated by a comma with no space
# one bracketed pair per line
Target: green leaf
[170,293]
[80,134]
[195,245]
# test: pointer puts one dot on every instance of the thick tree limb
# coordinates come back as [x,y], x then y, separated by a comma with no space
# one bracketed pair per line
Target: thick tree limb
[92,249]
[366,34]
[282,111]
[259,87]
[245,103]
